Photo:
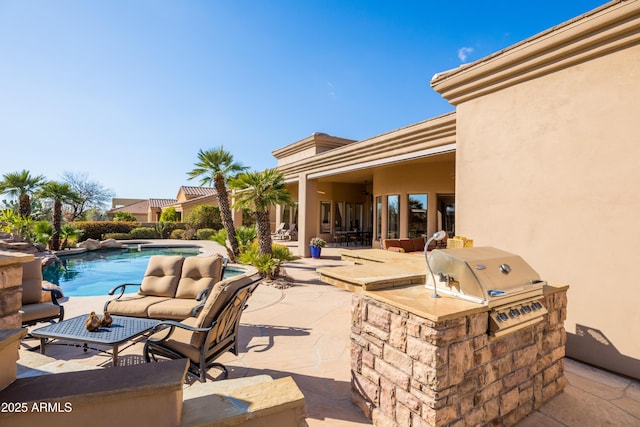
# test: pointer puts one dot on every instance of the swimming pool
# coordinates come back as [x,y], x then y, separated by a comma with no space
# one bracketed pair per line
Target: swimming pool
[95,273]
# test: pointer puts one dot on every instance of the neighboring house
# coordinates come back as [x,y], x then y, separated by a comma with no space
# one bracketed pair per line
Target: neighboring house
[149,211]
[540,158]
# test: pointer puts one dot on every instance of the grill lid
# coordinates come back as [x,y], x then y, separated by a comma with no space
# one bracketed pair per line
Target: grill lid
[486,275]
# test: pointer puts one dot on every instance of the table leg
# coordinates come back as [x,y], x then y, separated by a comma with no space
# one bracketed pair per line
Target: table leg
[114,359]
[42,343]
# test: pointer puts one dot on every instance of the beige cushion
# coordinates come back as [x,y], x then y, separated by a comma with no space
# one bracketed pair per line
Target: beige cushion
[180,340]
[162,276]
[39,311]
[218,298]
[32,282]
[134,306]
[199,273]
[173,309]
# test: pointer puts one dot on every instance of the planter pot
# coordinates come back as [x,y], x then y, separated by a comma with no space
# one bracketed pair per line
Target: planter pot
[315,251]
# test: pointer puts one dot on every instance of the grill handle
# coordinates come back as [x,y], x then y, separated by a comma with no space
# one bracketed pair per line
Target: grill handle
[437,236]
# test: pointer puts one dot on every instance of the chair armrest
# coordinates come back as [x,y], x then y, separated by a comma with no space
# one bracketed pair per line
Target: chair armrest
[202,294]
[122,288]
[225,261]
[172,324]
[55,294]
[196,309]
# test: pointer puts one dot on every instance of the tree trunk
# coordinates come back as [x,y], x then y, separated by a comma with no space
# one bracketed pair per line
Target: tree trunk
[264,232]
[24,206]
[57,225]
[225,215]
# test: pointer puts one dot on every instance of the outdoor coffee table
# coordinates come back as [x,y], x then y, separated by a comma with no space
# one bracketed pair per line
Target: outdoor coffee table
[122,329]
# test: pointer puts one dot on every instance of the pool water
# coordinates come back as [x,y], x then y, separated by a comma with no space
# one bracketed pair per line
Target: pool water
[95,273]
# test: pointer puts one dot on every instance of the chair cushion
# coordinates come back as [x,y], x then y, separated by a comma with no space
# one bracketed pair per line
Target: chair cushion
[39,311]
[134,306]
[180,340]
[32,282]
[162,276]
[418,244]
[172,309]
[406,244]
[199,273]
[218,298]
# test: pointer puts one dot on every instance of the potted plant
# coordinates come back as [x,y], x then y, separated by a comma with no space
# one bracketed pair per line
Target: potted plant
[316,244]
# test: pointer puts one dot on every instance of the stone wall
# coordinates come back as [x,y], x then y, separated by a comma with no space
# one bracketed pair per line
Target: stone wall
[411,371]
[11,289]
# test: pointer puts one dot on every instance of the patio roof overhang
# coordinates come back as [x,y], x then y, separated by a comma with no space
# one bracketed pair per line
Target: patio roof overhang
[424,139]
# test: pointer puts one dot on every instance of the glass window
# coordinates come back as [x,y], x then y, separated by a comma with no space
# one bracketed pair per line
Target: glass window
[378,217]
[393,216]
[357,224]
[285,215]
[325,217]
[417,215]
[340,223]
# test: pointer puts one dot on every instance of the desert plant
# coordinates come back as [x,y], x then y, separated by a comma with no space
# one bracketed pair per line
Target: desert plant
[259,191]
[281,252]
[21,185]
[70,234]
[214,168]
[42,231]
[11,222]
[246,236]
[220,237]
[59,194]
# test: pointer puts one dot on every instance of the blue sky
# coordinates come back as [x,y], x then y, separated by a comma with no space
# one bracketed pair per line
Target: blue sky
[129,91]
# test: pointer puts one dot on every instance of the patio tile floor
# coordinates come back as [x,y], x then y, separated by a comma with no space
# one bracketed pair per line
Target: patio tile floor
[303,331]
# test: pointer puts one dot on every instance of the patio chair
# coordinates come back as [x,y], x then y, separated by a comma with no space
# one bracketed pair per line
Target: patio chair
[214,331]
[34,309]
[279,233]
[291,233]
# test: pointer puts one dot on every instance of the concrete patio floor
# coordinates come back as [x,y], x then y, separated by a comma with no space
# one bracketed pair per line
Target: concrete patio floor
[303,331]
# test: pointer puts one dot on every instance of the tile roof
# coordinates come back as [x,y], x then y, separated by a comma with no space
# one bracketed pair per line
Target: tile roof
[198,191]
[140,207]
[161,203]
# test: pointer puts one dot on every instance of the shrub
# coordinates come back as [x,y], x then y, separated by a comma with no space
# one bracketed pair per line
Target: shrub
[189,234]
[246,236]
[205,233]
[176,234]
[143,233]
[205,216]
[124,216]
[118,236]
[281,252]
[97,229]
[169,215]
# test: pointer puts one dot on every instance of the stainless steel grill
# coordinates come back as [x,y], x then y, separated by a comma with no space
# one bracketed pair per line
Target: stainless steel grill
[493,277]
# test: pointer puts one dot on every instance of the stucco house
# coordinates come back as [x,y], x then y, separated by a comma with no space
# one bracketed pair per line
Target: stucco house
[149,210]
[539,158]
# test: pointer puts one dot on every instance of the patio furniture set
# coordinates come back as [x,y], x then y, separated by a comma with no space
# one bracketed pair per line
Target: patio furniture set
[183,306]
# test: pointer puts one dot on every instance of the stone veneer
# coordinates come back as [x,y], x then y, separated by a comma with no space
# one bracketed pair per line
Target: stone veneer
[408,370]
[11,288]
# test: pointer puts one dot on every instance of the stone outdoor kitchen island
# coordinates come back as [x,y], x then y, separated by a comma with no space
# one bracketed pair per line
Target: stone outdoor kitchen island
[421,361]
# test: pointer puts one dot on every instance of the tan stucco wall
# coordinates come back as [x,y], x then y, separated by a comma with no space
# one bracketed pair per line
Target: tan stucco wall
[549,169]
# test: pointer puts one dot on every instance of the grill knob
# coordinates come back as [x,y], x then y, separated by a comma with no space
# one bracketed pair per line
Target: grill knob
[505,268]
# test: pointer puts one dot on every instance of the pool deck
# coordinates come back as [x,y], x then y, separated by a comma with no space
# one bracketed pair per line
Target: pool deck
[304,331]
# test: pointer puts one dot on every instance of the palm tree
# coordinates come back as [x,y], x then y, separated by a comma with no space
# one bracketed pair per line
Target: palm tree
[214,168]
[59,194]
[21,185]
[259,191]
